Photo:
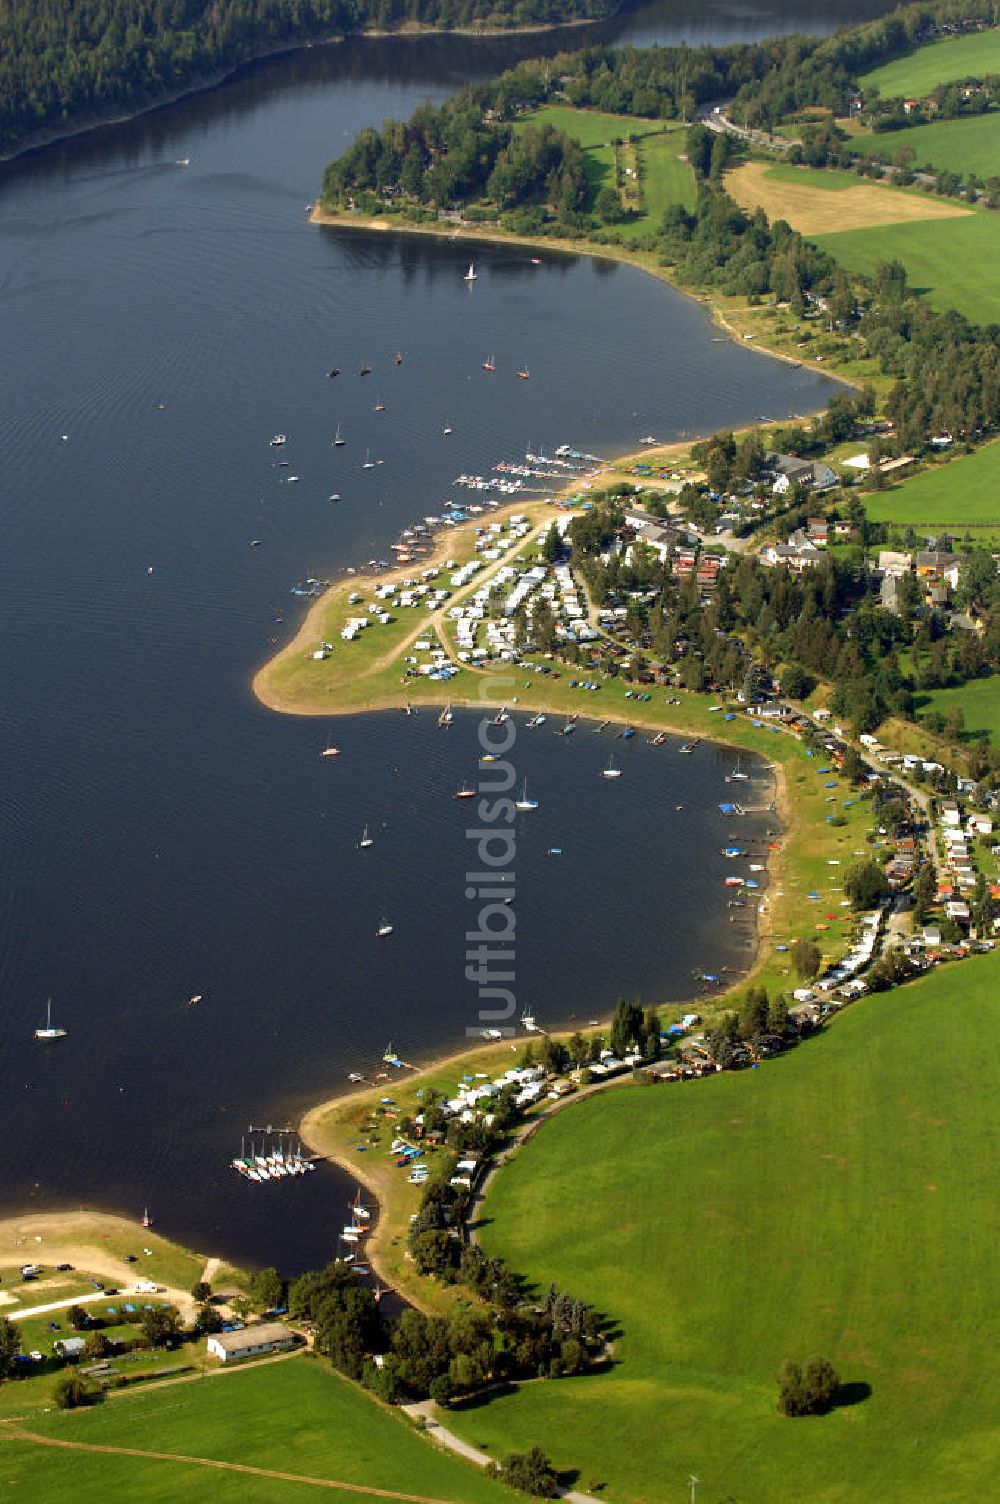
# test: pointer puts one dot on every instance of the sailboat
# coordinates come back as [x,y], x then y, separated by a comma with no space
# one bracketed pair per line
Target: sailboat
[446,430]
[369,463]
[49,1032]
[147,1220]
[465,792]
[330,750]
[384,929]
[366,840]
[611,771]
[379,405]
[338,442]
[470,275]
[738,776]
[524,802]
[524,374]
[490,365]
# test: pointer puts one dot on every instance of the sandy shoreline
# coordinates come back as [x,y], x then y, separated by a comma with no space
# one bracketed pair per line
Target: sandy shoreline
[330,1146]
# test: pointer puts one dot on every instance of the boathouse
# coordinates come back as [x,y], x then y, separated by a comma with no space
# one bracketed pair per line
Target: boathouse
[251,1342]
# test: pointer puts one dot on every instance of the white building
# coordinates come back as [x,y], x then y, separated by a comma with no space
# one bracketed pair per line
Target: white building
[251,1342]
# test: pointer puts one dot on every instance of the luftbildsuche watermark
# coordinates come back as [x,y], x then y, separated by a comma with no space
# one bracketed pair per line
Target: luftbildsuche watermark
[490,947]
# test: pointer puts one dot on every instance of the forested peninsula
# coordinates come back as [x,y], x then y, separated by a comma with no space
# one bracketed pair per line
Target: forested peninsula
[488,157]
[66,62]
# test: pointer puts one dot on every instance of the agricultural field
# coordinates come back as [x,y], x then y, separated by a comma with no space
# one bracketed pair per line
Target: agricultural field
[290,1417]
[960,146]
[837,1201]
[955,262]
[964,492]
[915,75]
[818,202]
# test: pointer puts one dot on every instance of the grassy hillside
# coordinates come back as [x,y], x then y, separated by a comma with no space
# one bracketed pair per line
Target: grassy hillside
[962,146]
[940,63]
[965,491]
[293,1417]
[979,701]
[838,1201]
[956,262]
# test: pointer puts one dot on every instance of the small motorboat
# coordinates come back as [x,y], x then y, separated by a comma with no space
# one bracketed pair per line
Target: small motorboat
[278,440]
[333,371]
[384,929]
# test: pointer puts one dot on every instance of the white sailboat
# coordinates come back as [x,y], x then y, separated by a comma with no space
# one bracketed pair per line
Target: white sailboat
[524,802]
[611,771]
[369,463]
[470,275]
[330,750]
[366,840]
[738,776]
[338,442]
[384,929]
[49,1032]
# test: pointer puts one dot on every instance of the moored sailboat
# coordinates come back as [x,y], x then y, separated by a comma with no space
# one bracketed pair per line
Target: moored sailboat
[49,1032]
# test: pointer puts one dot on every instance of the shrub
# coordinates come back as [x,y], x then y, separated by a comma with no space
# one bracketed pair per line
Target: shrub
[808,1391]
[531,1472]
[72,1390]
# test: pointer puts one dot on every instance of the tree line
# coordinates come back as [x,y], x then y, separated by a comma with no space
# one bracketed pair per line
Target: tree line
[63,60]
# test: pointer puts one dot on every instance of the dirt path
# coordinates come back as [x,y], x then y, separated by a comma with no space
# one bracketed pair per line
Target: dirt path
[18,1433]
[426,1411]
[211,1269]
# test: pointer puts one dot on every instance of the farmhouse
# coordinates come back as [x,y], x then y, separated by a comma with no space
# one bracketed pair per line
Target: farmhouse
[251,1342]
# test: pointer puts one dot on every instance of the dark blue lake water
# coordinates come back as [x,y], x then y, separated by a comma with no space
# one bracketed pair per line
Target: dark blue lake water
[162,834]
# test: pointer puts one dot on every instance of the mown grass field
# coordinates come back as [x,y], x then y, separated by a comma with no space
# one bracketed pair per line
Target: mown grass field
[962,146]
[666,179]
[815,201]
[979,701]
[916,74]
[838,1201]
[592,127]
[964,491]
[295,1417]
[955,262]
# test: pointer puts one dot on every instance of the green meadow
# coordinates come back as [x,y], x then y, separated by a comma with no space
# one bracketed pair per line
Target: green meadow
[917,74]
[961,146]
[964,492]
[838,1201]
[956,262]
[666,179]
[292,1417]
[979,701]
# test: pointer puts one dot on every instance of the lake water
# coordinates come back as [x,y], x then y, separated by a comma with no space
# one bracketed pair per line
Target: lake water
[162,834]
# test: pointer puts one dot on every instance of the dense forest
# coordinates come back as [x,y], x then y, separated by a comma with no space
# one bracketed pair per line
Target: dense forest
[63,60]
